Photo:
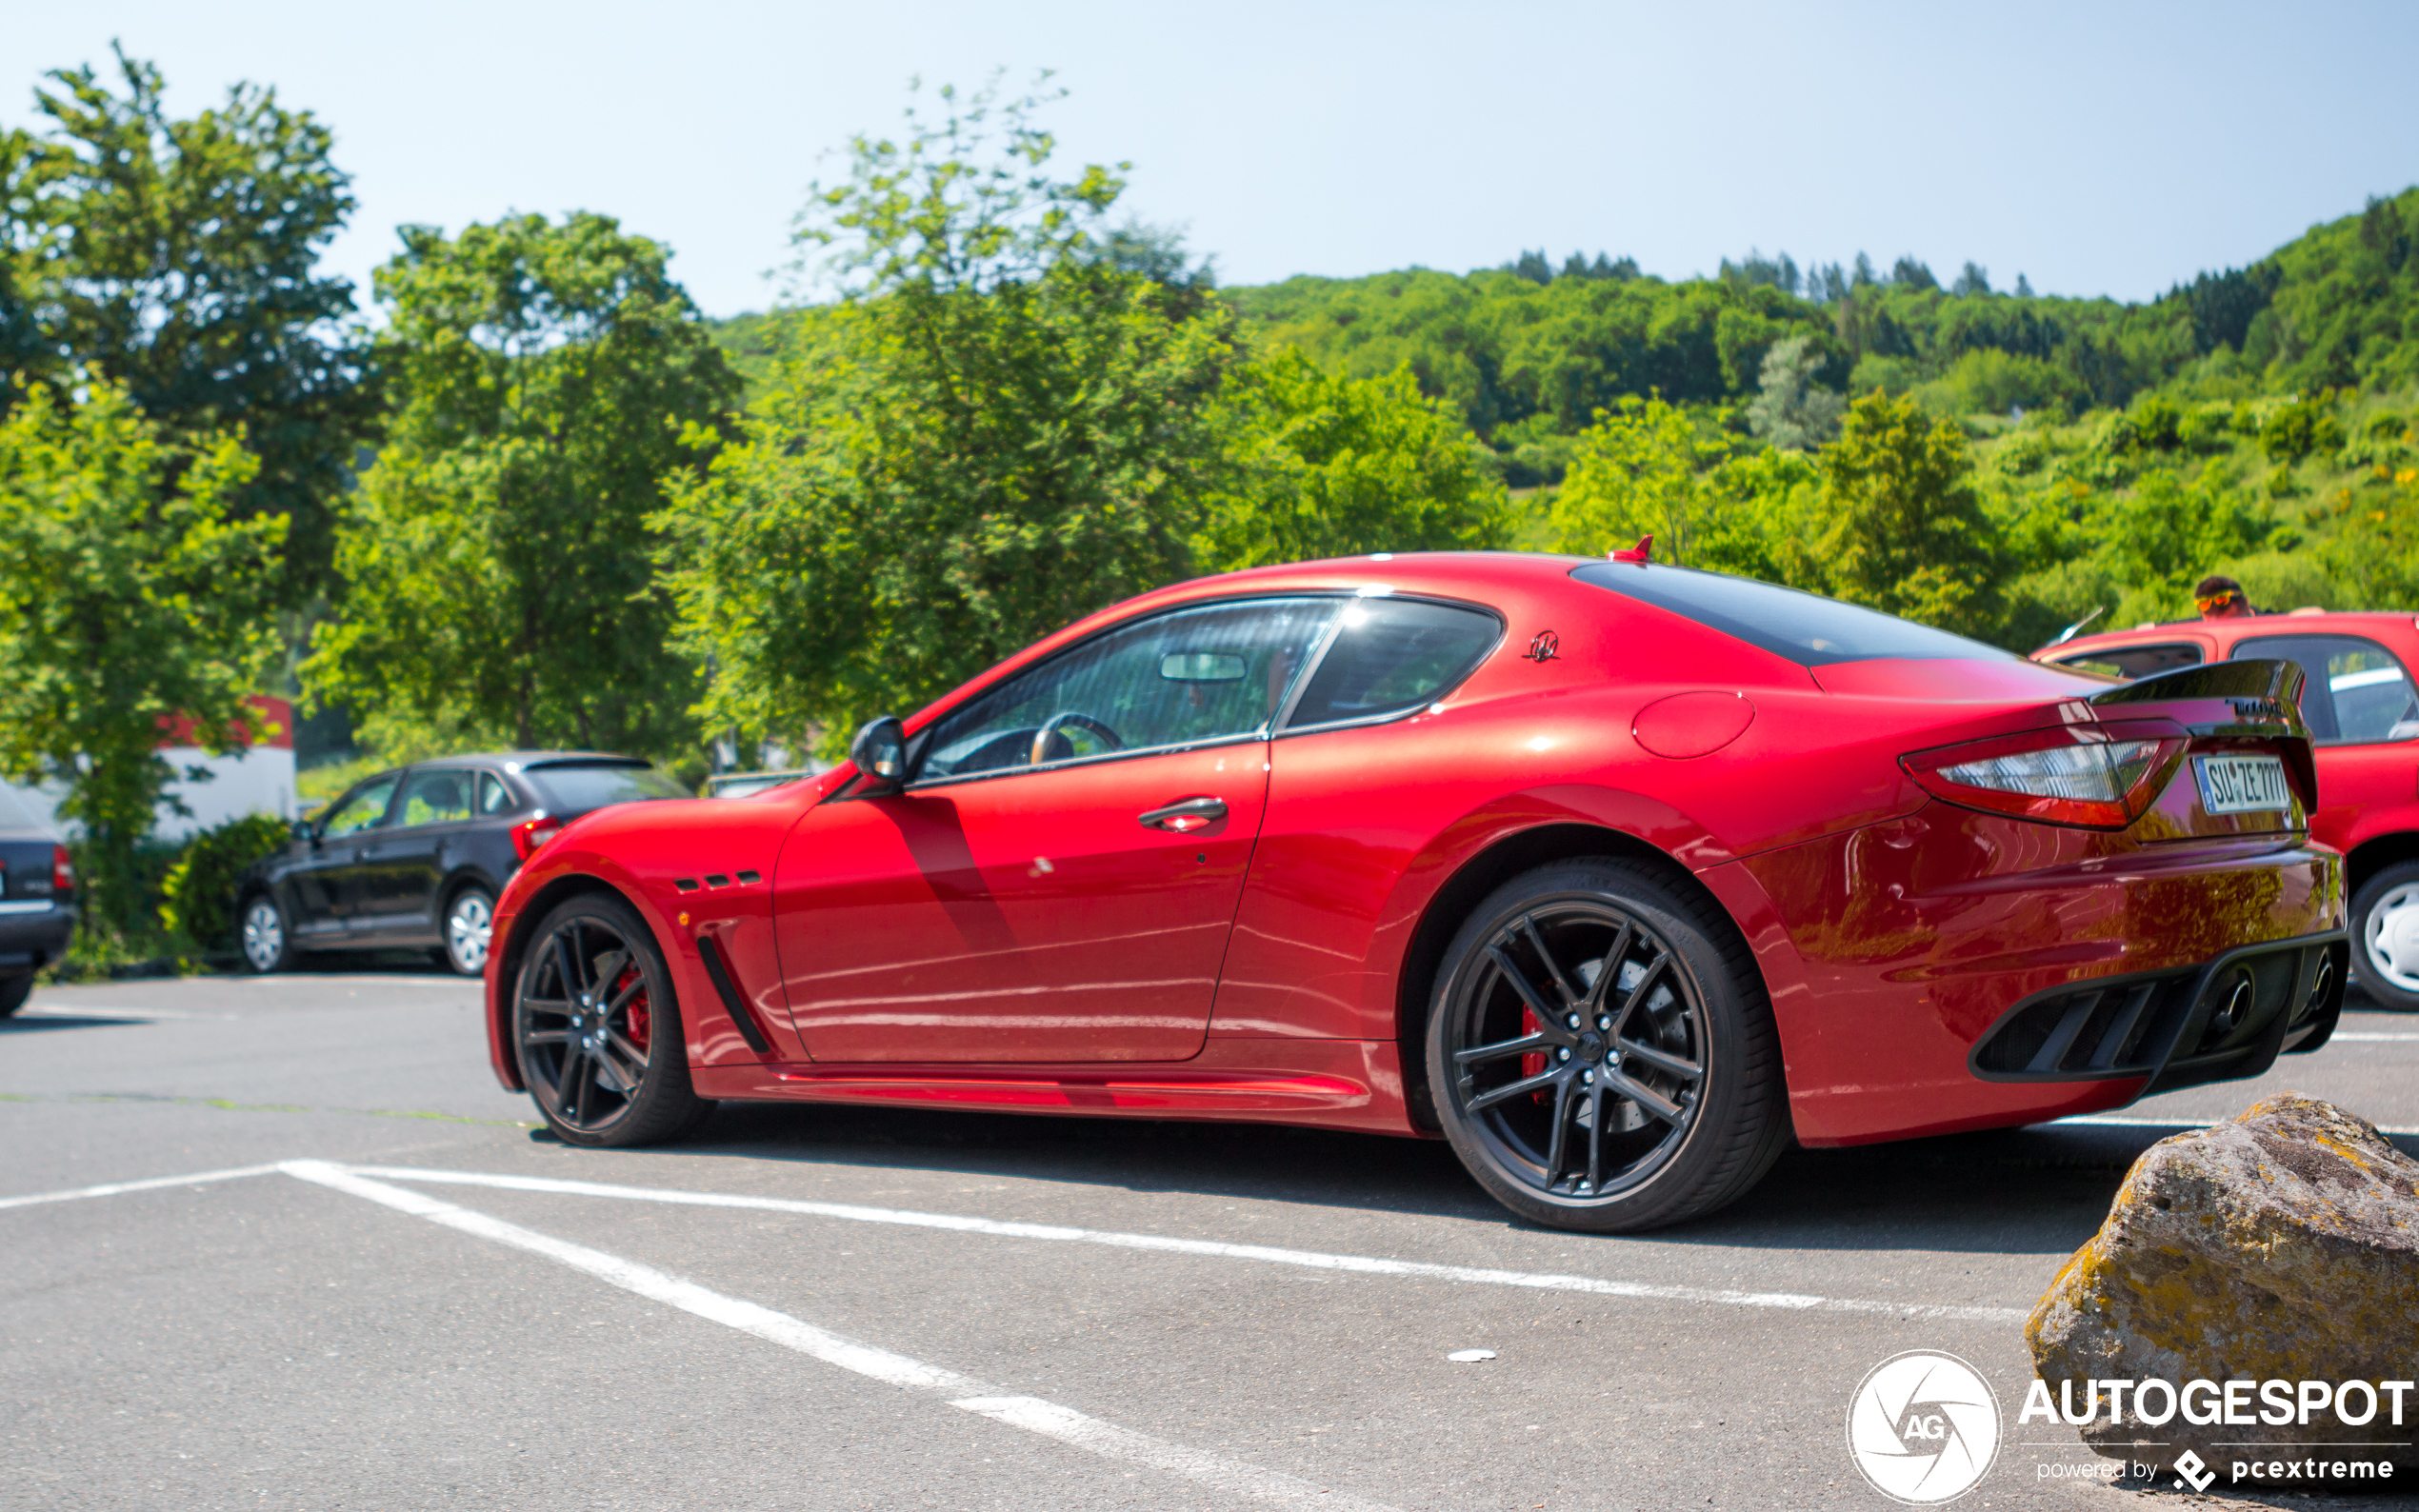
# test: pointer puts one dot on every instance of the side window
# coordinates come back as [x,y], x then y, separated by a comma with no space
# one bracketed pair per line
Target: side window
[437,797]
[2356,692]
[494,798]
[2131,662]
[1391,655]
[361,808]
[1171,680]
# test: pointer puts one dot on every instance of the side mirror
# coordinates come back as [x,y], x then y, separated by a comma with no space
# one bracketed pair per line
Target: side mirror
[304,832]
[879,751]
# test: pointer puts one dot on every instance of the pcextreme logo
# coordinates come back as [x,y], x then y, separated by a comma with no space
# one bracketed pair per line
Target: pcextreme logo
[1923,1427]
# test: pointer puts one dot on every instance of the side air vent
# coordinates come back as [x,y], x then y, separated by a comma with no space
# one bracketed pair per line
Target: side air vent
[2227,1019]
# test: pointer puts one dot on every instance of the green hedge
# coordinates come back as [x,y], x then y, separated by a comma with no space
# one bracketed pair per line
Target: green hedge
[198,897]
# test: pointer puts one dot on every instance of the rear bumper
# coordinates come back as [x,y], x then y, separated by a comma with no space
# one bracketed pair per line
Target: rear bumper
[1919,968]
[35,937]
[2221,1022]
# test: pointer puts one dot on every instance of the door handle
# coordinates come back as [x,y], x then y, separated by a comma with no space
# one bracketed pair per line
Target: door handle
[1183,818]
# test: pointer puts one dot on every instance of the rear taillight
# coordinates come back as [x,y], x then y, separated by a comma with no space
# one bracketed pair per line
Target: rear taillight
[2095,778]
[530,834]
[61,871]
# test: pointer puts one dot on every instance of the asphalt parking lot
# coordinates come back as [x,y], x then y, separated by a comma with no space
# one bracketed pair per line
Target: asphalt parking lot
[344,1273]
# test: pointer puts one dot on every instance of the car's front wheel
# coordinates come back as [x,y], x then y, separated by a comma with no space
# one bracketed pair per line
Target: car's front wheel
[2385,937]
[598,1029]
[1602,1051]
[266,943]
[470,920]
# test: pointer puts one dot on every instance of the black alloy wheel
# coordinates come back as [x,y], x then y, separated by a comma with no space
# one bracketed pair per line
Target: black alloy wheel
[598,1029]
[1601,1052]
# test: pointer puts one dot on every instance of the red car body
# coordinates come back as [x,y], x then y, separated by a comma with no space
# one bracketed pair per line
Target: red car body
[2367,761]
[1020,943]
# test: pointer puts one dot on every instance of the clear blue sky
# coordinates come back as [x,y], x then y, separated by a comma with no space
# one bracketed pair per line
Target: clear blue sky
[2099,148]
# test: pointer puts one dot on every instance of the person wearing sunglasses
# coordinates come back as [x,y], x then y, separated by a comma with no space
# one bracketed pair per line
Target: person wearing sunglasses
[2220,598]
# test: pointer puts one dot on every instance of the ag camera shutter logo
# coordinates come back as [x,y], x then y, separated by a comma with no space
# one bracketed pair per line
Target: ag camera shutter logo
[1923,1427]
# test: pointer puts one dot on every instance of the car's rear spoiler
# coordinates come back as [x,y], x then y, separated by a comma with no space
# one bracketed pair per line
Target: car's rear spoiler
[2258,694]
[2261,697]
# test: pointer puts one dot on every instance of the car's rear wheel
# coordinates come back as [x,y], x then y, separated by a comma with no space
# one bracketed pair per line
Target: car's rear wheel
[598,1029]
[266,943]
[470,918]
[1602,1051]
[2385,937]
[13,992]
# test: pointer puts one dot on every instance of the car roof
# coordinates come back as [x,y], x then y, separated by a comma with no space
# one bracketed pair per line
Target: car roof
[1471,575]
[523,760]
[2368,621]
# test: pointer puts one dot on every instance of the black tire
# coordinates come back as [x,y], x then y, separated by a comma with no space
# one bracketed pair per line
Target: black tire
[264,936]
[597,1028]
[1672,1082]
[467,923]
[13,992]
[2390,898]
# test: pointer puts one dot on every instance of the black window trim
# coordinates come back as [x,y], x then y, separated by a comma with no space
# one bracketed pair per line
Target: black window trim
[1273,728]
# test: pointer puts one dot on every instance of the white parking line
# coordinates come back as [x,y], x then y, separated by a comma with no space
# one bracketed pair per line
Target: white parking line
[155,1182]
[2126,1120]
[62,1010]
[2373,1039]
[1364,1264]
[1033,1414]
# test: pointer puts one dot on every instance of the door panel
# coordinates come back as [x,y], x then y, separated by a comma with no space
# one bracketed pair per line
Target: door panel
[1023,918]
[407,860]
[330,884]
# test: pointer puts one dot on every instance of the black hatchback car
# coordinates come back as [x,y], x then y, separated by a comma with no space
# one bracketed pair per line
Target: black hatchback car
[37,900]
[414,857]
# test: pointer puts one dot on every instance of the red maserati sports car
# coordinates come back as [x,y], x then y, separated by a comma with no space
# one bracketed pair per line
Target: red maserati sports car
[1615,874]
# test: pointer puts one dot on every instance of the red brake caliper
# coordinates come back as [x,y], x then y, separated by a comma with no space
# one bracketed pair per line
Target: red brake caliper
[1531,1064]
[637,1014]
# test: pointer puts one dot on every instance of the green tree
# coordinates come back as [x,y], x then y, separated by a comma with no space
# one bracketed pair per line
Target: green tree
[501,566]
[1006,423]
[178,259]
[1336,466]
[133,599]
[1789,411]
[1640,471]
[1903,527]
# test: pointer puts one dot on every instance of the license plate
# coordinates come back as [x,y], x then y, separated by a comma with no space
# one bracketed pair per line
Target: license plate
[2238,785]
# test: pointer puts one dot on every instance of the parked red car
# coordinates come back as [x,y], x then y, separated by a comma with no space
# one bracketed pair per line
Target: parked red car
[2363,714]
[1617,875]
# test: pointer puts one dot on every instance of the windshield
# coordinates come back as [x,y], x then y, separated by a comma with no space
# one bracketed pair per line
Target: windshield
[576,789]
[1805,628]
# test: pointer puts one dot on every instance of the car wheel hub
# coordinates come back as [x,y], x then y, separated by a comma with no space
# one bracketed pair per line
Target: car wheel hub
[2393,937]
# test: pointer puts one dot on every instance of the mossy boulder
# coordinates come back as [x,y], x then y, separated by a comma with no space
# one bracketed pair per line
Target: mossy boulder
[2282,1245]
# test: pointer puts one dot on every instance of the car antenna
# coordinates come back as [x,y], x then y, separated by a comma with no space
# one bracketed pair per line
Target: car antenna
[2068,633]
[1643,552]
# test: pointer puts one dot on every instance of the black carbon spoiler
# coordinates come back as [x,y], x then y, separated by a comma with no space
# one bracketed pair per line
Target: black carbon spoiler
[2261,698]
